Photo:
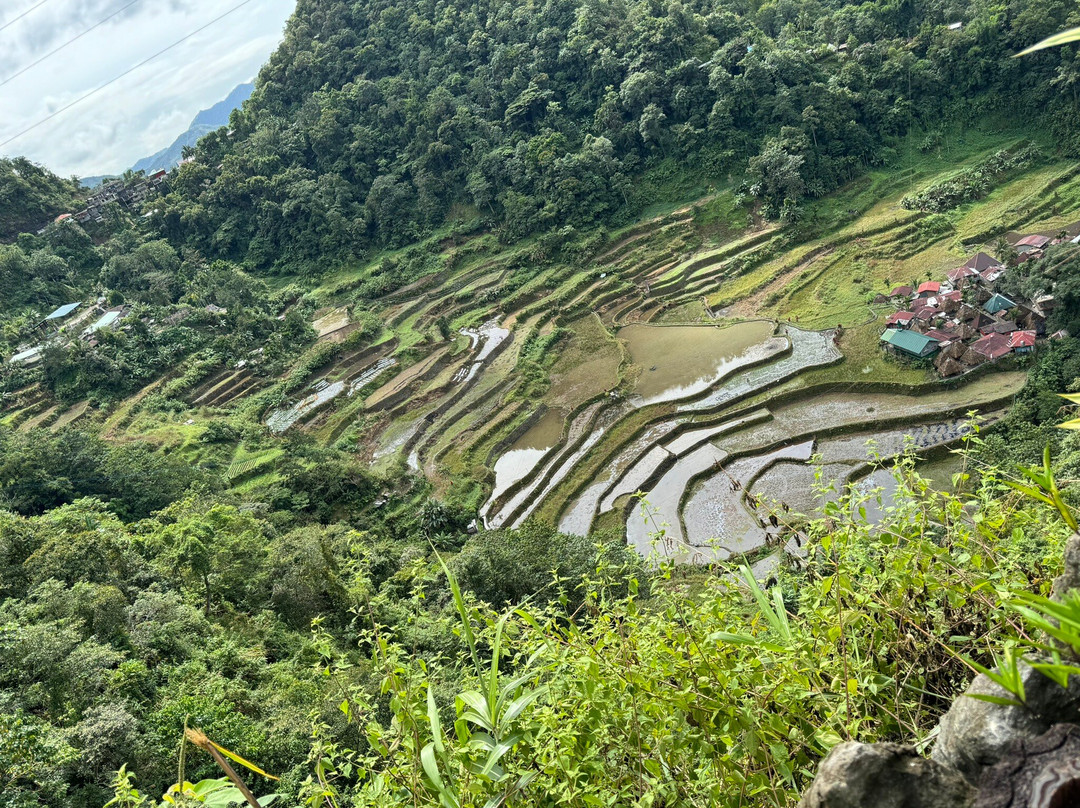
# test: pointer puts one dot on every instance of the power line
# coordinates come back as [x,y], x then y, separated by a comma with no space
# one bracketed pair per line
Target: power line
[14,20]
[69,42]
[130,70]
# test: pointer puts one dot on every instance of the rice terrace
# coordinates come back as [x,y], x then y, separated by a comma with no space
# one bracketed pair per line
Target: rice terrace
[675,382]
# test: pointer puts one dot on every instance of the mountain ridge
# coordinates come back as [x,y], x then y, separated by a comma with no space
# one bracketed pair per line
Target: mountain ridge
[202,124]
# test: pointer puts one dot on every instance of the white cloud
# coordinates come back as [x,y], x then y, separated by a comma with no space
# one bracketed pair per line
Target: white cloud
[142,112]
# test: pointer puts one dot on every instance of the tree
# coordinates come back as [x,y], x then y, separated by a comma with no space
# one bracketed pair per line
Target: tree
[777,177]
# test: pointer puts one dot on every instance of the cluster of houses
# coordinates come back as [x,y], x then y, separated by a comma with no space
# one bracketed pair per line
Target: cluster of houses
[964,321]
[98,317]
[123,193]
[127,195]
[86,322]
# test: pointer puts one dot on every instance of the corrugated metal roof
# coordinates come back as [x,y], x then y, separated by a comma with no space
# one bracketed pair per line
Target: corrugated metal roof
[107,319]
[26,356]
[63,311]
[998,303]
[908,341]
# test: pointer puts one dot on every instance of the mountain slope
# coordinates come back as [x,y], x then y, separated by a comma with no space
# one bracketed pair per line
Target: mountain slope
[205,122]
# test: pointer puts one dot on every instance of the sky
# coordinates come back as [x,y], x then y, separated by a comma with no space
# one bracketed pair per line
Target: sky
[146,110]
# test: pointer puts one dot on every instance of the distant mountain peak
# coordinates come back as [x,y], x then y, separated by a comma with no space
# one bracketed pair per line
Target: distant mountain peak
[205,122]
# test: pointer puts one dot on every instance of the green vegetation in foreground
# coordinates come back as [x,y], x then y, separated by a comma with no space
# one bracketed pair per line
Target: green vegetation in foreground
[332,653]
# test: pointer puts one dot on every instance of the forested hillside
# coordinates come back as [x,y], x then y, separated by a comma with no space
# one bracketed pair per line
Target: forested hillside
[31,197]
[375,122]
[495,414]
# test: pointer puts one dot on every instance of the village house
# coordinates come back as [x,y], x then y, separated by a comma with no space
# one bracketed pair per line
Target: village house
[992,346]
[58,316]
[902,291]
[947,363]
[928,289]
[927,314]
[981,262]
[961,275]
[107,320]
[908,342]
[1022,342]
[27,356]
[997,304]
[1031,243]
[901,319]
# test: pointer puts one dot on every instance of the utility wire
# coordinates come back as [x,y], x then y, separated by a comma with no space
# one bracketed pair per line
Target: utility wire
[130,70]
[69,42]
[14,20]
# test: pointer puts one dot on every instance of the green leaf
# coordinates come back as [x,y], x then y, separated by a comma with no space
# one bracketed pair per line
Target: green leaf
[744,639]
[521,702]
[1061,38]
[431,767]
[434,721]
[235,758]
[1007,702]
[478,710]
[1056,672]
[463,613]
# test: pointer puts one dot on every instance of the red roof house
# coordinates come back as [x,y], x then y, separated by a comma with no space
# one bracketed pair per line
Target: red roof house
[927,289]
[1034,242]
[927,313]
[901,318]
[992,346]
[961,274]
[941,335]
[1022,341]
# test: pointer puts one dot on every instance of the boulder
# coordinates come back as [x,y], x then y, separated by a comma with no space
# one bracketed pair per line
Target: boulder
[885,775]
[973,735]
[1042,772]
[1070,575]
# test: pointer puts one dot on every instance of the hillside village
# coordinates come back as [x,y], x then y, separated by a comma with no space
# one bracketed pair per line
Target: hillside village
[86,322]
[127,193]
[965,320]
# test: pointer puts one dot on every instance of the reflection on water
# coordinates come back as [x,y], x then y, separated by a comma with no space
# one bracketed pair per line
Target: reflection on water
[680,361]
[526,452]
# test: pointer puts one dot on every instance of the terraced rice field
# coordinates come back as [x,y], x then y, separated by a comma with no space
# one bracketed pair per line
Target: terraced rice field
[691,358]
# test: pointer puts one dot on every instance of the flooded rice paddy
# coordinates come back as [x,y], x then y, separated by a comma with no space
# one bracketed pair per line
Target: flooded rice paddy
[681,361]
[526,451]
[713,483]
[323,392]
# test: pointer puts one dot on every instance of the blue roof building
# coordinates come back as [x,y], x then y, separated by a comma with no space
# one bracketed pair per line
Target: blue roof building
[63,312]
[910,342]
[998,303]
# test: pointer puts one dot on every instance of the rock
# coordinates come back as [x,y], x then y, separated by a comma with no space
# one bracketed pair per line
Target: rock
[885,775]
[1070,576]
[974,734]
[1042,772]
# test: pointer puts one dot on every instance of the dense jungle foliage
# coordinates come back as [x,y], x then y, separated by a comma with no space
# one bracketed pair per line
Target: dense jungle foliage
[377,122]
[328,644]
[31,196]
